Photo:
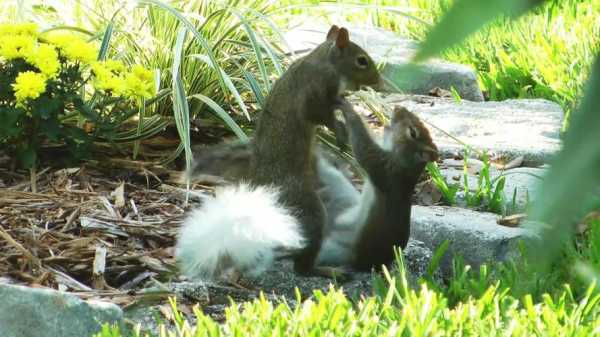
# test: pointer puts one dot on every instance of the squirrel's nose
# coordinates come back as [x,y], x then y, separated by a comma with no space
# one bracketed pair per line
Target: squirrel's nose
[379,84]
[431,153]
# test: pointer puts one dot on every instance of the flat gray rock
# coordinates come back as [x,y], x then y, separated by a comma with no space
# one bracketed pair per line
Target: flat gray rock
[395,52]
[511,128]
[474,235]
[26,312]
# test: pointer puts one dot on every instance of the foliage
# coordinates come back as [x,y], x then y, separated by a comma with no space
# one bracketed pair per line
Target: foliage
[547,53]
[448,191]
[485,308]
[48,78]
[228,58]
[488,193]
[575,173]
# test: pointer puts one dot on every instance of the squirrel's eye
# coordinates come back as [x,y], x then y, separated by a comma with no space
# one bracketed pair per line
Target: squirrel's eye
[412,132]
[362,61]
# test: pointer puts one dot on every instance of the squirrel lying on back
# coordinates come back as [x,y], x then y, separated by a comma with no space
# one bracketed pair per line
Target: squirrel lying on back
[363,229]
[279,209]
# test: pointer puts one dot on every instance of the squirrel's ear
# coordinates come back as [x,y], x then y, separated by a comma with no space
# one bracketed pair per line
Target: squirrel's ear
[343,38]
[400,113]
[333,33]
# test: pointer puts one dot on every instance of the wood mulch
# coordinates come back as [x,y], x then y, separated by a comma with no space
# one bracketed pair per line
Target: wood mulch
[90,232]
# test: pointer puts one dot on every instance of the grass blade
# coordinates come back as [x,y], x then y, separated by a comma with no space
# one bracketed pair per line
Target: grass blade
[105,41]
[140,126]
[255,46]
[223,115]
[254,87]
[180,106]
[190,27]
[228,83]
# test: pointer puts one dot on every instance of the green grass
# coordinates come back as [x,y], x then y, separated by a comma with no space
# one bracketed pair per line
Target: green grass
[473,304]
[545,54]
[503,299]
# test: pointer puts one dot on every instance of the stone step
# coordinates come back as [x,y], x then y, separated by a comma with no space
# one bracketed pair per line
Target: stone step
[511,128]
[475,236]
[395,52]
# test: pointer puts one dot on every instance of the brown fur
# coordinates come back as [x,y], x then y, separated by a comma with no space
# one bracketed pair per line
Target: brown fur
[283,144]
[393,174]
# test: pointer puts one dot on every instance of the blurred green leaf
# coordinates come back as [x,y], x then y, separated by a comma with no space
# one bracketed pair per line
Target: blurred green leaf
[575,172]
[466,17]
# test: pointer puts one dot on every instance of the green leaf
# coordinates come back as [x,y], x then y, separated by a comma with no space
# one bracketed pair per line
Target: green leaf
[191,28]
[45,107]
[464,18]
[257,48]
[106,41]
[228,83]
[437,258]
[255,88]
[9,117]
[574,175]
[181,109]
[85,110]
[50,128]
[223,115]
[140,126]
[27,156]
[497,199]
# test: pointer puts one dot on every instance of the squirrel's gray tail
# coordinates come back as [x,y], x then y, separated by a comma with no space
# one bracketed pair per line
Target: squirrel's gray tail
[230,160]
[241,229]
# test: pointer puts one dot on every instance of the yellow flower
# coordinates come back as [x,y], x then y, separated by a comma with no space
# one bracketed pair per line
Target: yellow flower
[107,77]
[114,66]
[29,85]
[110,77]
[142,73]
[73,47]
[138,83]
[81,51]
[45,58]
[25,29]
[60,40]
[12,47]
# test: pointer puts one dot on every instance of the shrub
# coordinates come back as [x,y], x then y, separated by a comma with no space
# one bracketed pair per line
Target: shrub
[54,89]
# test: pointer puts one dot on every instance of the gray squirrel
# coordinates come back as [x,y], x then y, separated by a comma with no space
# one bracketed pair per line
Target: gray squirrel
[277,210]
[363,228]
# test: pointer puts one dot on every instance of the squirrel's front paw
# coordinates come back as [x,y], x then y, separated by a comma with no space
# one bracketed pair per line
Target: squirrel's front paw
[339,115]
[344,105]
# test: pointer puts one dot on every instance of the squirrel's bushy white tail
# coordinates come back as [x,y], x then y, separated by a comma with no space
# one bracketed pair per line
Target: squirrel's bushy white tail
[239,229]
